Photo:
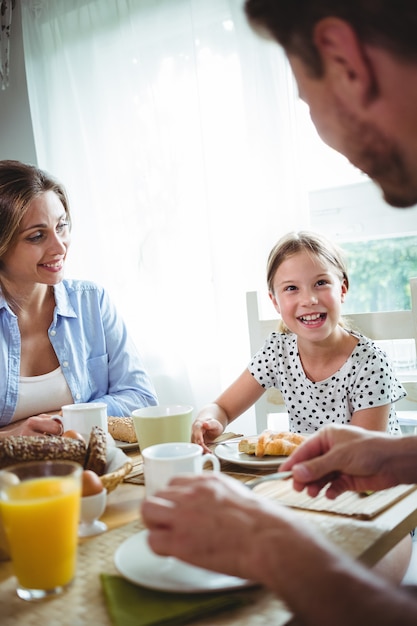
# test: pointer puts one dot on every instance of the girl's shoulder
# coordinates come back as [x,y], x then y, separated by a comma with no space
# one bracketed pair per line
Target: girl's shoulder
[366,346]
[362,339]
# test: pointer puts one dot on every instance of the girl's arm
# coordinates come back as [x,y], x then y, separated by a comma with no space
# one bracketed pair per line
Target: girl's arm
[214,418]
[375,418]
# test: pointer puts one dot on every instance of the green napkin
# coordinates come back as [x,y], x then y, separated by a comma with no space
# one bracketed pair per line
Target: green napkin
[133,605]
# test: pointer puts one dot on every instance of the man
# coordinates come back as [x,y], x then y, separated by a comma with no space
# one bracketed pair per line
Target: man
[356,67]
[355,62]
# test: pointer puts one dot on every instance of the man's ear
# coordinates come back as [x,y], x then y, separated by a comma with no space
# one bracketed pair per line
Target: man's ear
[345,61]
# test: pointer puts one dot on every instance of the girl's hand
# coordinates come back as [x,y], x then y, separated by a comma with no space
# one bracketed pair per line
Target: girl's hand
[206,431]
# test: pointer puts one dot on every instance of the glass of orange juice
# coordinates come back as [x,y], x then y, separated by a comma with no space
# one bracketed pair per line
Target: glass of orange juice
[40,509]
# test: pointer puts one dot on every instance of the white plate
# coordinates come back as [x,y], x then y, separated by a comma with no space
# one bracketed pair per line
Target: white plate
[125,445]
[230,452]
[135,561]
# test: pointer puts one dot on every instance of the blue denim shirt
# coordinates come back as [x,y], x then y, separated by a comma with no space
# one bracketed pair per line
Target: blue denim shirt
[98,359]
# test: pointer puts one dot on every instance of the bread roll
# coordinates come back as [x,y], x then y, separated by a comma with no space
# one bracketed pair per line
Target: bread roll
[122,429]
[269,443]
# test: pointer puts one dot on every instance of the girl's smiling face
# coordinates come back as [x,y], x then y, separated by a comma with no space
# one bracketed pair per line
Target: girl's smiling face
[39,253]
[308,293]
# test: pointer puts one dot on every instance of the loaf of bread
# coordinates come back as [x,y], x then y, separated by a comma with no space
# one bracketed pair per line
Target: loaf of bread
[269,443]
[20,448]
[96,457]
[122,429]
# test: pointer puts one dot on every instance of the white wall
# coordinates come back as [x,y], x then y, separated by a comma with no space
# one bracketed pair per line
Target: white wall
[16,126]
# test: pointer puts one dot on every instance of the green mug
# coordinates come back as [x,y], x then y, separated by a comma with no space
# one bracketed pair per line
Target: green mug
[163,424]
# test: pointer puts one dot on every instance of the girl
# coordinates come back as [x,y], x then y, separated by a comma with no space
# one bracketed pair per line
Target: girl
[61,341]
[326,372]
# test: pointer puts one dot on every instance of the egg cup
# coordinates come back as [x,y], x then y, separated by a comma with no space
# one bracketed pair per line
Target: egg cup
[92,507]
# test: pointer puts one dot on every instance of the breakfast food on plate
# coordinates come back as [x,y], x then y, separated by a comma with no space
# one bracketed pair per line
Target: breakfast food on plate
[122,429]
[91,484]
[269,443]
[96,458]
[20,448]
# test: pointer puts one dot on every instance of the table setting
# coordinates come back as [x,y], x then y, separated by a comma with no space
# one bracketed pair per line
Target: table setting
[119,581]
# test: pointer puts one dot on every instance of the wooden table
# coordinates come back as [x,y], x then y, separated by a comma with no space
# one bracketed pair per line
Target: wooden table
[84,603]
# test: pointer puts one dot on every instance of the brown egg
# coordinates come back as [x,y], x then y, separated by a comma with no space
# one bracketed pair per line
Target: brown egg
[73,435]
[91,484]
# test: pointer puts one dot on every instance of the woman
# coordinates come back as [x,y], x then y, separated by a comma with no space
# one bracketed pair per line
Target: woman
[61,341]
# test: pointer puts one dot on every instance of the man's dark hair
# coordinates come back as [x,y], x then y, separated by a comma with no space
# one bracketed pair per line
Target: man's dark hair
[389,24]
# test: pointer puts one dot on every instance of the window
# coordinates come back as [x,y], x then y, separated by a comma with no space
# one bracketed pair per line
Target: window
[380,242]
[379,270]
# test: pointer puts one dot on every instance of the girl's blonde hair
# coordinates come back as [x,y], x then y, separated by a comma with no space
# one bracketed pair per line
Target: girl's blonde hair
[312,243]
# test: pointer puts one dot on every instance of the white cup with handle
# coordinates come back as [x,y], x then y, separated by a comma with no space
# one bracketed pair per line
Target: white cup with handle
[163,461]
[82,417]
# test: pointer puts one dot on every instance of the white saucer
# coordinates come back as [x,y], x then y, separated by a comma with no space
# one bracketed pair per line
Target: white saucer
[135,561]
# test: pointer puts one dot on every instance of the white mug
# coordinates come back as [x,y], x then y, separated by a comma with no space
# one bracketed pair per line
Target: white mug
[83,416]
[163,461]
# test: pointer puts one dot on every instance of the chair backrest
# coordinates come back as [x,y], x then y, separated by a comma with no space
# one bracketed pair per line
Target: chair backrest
[389,329]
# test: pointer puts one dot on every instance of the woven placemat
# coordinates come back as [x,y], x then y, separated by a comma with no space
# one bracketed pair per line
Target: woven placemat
[136,476]
[84,604]
[350,504]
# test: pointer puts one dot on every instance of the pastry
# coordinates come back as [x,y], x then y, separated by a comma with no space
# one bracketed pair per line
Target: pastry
[122,429]
[96,458]
[20,448]
[269,443]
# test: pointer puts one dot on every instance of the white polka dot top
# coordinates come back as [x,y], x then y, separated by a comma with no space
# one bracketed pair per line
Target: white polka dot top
[366,380]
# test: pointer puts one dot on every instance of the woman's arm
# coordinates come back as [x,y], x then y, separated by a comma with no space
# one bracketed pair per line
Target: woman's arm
[130,387]
[37,425]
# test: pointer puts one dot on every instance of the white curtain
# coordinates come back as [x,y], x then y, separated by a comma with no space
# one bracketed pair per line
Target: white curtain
[173,128]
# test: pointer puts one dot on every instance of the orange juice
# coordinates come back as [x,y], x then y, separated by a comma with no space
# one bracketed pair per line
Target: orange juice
[40,518]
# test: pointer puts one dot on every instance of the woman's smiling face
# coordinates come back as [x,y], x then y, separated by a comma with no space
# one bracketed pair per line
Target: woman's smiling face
[38,255]
[308,293]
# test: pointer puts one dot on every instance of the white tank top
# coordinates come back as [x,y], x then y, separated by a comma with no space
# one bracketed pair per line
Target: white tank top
[42,394]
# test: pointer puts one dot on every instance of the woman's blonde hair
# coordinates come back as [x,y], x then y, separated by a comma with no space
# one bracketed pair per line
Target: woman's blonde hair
[312,243]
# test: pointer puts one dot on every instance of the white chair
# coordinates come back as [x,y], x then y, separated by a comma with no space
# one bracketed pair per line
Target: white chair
[389,329]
